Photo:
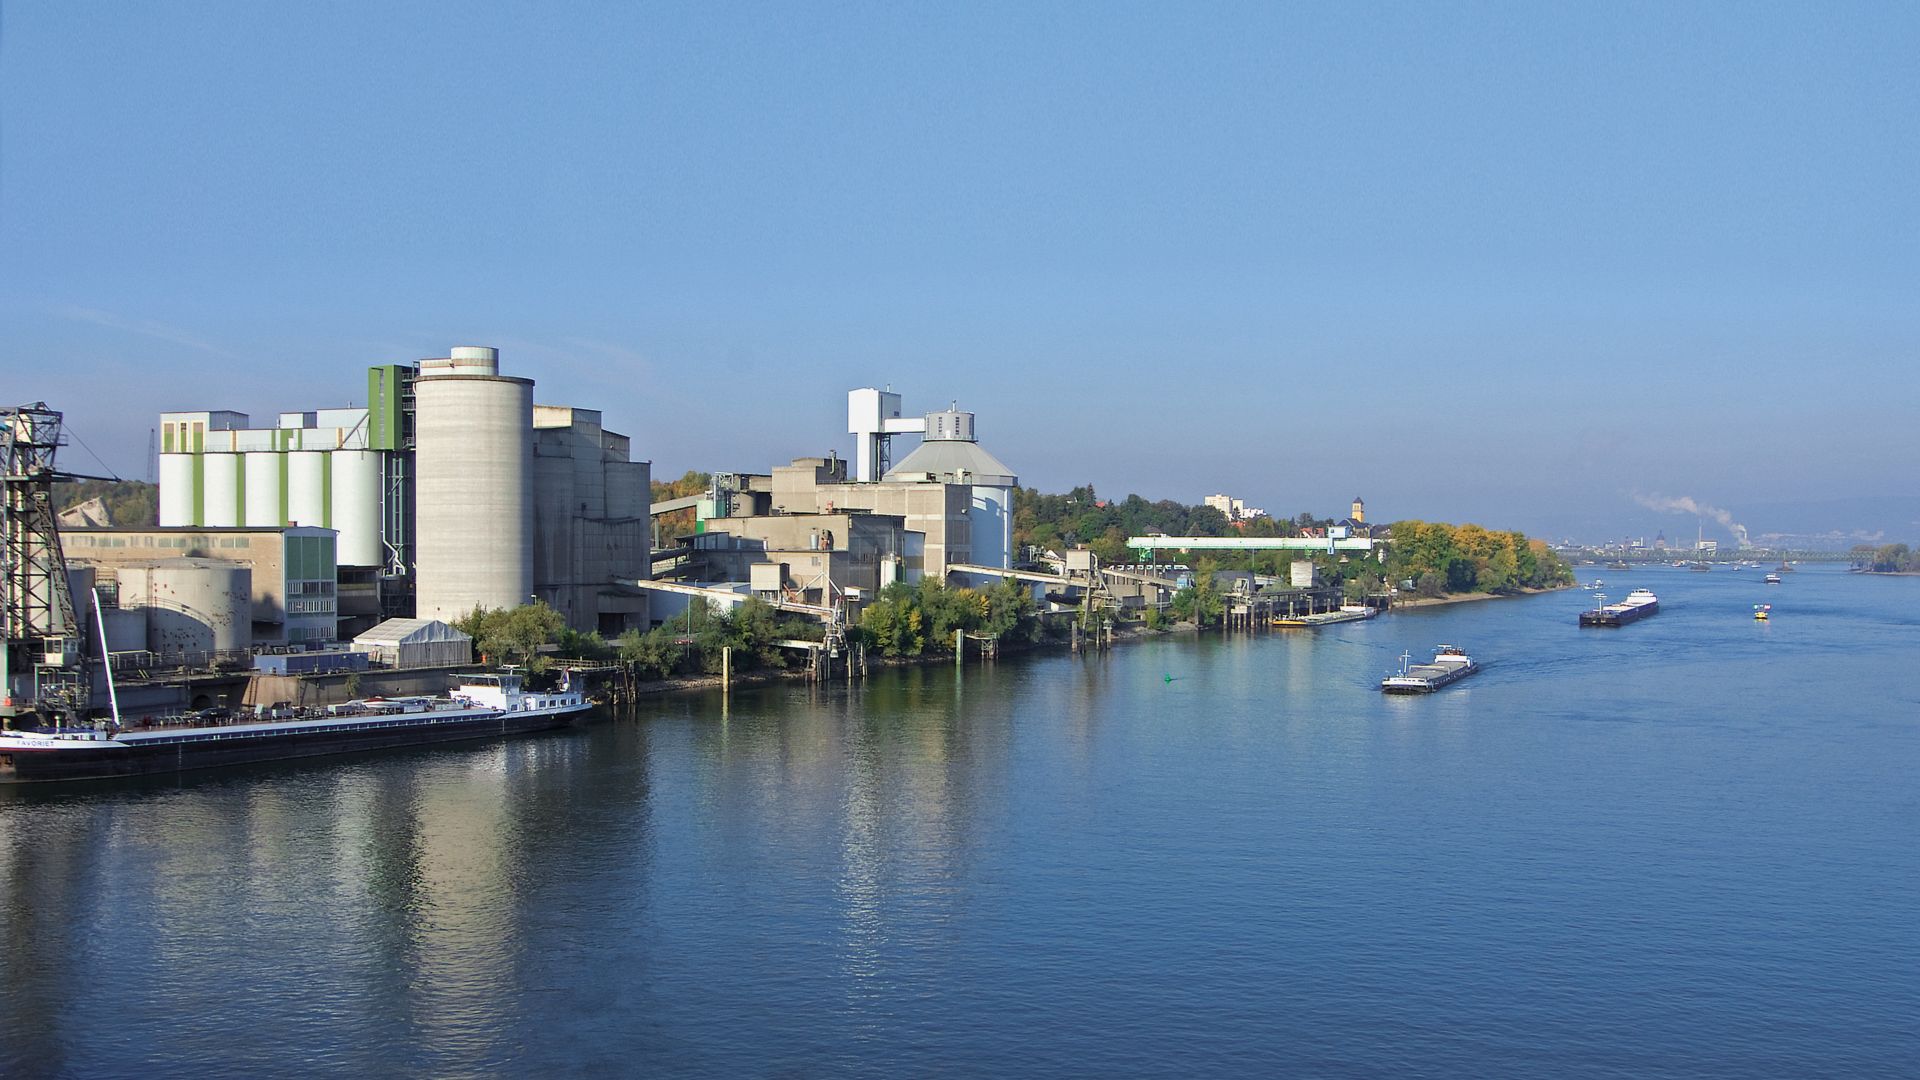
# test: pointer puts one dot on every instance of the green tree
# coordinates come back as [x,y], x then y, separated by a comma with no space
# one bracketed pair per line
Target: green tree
[658,653]
[1200,602]
[513,635]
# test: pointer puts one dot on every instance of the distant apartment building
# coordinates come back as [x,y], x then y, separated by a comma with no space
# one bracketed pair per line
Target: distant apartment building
[1234,509]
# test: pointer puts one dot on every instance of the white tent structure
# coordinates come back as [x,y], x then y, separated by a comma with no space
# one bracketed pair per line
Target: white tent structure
[405,643]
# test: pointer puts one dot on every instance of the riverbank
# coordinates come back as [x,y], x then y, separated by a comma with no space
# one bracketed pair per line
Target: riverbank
[1122,634]
[1466,598]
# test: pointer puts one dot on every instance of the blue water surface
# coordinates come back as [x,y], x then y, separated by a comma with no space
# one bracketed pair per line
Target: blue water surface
[1683,848]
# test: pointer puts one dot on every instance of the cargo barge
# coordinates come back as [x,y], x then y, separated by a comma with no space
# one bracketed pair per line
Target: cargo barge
[1639,604]
[1450,665]
[480,707]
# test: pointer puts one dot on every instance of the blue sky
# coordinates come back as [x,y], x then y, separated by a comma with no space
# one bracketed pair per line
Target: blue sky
[1507,263]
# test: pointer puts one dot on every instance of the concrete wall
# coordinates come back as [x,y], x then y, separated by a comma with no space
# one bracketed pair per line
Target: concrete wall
[591,523]
[331,689]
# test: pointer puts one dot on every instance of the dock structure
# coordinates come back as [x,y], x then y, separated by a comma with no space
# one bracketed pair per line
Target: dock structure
[820,654]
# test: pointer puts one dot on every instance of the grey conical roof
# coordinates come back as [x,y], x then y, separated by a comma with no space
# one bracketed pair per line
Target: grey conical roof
[950,457]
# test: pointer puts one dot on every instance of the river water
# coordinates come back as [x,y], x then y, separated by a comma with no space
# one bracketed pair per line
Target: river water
[1682,848]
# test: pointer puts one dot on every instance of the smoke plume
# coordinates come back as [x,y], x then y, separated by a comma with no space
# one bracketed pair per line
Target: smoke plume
[1685,505]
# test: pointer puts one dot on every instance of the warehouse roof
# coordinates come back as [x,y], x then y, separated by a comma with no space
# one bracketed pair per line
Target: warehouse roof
[410,632]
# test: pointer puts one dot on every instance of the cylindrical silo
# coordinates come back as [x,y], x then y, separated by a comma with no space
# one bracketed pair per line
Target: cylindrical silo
[220,487]
[307,488]
[473,464]
[264,493]
[198,606]
[80,581]
[126,629]
[356,506]
[176,491]
[464,360]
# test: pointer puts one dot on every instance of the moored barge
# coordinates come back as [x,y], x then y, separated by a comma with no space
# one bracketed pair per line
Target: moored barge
[481,707]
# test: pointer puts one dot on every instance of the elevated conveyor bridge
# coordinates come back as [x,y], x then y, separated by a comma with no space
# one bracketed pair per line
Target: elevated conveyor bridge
[1325,544]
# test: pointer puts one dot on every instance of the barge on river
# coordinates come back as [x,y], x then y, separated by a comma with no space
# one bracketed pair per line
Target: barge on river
[1450,665]
[1639,604]
[480,707]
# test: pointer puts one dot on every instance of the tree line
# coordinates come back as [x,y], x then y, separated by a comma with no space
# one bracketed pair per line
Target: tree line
[1437,558]
[1081,517]
[531,635]
[915,620]
[902,621]
[1440,558]
[131,504]
[1887,558]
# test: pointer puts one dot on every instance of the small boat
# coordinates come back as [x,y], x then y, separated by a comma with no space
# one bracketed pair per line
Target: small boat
[1700,567]
[1619,564]
[1450,665]
[1760,611]
[1771,579]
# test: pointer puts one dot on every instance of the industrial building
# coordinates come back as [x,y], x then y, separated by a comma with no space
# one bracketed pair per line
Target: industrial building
[592,527]
[323,469]
[291,575]
[810,532]
[948,454]
[449,491]
[810,558]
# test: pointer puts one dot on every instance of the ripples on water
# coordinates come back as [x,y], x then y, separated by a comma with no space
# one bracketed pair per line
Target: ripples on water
[1682,848]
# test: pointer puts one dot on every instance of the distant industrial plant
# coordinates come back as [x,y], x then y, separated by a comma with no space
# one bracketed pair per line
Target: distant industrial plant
[451,490]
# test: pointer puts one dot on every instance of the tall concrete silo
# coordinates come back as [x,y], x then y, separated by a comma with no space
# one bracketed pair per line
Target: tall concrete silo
[177,492]
[473,465]
[356,506]
[307,488]
[220,490]
[265,492]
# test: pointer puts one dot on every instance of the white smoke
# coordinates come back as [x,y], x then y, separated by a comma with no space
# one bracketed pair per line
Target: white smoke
[1685,505]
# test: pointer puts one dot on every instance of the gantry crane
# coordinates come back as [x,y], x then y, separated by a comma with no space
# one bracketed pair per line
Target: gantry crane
[43,644]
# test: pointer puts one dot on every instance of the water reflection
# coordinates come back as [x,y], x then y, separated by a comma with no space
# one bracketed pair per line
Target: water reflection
[1048,865]
[381,895]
